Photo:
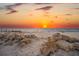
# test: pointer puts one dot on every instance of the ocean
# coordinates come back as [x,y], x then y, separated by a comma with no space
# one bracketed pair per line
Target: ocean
[41,29]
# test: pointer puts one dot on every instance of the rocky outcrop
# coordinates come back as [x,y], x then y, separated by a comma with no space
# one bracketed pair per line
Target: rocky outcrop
[59,41]
[19,38]
[76,46]
[64,45]
[49,47]
[56,44]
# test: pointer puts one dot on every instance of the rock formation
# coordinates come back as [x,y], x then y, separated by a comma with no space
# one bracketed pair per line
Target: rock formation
[59,41]
[10,38]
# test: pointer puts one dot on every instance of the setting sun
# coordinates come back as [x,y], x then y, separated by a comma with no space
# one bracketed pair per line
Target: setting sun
[51,15]
[45,26]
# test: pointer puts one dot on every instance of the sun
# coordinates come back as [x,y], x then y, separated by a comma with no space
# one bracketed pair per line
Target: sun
[44,26]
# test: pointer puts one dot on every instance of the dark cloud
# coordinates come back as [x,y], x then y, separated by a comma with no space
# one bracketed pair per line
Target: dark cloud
[44,8]
[41,3]
[56,16]
[11,8]
[76,8]
[72,9]
[47,3]
[14,5]
[1,8]
[13,11]
[68,14]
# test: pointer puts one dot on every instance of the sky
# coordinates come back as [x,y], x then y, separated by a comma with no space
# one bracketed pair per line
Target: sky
[39,15]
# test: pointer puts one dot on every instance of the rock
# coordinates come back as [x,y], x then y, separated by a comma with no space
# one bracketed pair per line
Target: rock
[60,52]
[48,47]
[10,38]
[1,43]
[57,36]
[69,39]
[24,42]
[30,36]
[1,35]
[75,40]
[76,46]
[64,45]
[33,36]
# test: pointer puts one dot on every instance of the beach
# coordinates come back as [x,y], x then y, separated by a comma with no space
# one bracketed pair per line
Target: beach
[39,42]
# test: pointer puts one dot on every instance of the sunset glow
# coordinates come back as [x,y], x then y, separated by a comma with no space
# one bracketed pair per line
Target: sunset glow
[45,26]
[39,15]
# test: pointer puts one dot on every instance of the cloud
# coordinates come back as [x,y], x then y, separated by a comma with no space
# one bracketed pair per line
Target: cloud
[41,3]
[11,8]
[14,5]
[72,9]
[56,16]
[13,11]
[1,8]
[44,8]
[68,14]
[76,8]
